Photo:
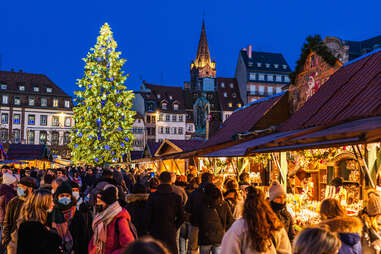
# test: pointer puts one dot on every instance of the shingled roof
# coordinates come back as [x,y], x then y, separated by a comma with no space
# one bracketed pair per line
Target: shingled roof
[14,79]
[170,94]
[28,152]
[353,92]
[260,114]
[232,100]
[265,58]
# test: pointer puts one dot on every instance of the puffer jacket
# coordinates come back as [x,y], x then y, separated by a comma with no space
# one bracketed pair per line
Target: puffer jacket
[349,230]
[6,194]
[213,221]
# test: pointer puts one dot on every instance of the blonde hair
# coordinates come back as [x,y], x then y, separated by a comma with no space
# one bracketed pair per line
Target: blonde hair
[316,240]
[372,221]
[36,207]
[330,208]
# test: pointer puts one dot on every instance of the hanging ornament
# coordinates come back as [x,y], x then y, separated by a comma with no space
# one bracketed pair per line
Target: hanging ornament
[98,59]
[108,51]
[122,144]
[76,146]
[96,159]
[107,147]
[80,135]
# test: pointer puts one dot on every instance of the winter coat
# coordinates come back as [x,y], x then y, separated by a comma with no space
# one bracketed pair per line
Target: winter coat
[213,221]
[34,237]
[136,204]
[116,243]
[78,227]
[235,241]
[287,220]
[181,192]
[164,215]
[194,202]
[10,220]
[349,230]
[6,194]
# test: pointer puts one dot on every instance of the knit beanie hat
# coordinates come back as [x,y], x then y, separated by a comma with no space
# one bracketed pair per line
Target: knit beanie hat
[9,179]
[64,187]
[109,194]
[374,203]
[276,190]
[29,182]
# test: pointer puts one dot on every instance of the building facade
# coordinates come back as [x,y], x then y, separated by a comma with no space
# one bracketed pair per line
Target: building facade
[138,129]
[260,74]
[34,110]
[164,112]
[345,50]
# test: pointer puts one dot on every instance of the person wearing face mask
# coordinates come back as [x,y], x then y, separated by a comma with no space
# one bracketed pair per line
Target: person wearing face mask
[24,190]
[67,220]
[111,225]
[32,235]
[277,197]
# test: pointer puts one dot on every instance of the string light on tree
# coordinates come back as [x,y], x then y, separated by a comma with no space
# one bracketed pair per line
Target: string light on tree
[103,116]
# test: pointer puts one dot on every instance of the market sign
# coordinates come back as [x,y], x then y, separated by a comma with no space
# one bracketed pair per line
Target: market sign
[315,73]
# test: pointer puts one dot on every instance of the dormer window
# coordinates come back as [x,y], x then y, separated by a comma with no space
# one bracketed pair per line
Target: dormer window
[230,105]
[222,84]
[22,88]
[239,105]
[267,65]
[234,95]
[175,106]
[225,94]
[284,66]
[276,65]
[36,89]
[164,105]
[231,85]
[259,64]
[49,90]
[158,96]
[170,97]
[3,87]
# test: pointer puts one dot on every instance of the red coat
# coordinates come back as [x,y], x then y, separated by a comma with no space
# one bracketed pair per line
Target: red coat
[115,244]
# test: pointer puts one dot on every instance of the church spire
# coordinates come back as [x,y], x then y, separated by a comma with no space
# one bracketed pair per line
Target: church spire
[203,55]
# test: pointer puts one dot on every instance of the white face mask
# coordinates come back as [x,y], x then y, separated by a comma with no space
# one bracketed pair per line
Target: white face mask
[52,191]
[76,195]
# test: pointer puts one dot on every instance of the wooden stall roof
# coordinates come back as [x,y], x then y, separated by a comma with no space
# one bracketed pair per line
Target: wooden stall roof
[29,152]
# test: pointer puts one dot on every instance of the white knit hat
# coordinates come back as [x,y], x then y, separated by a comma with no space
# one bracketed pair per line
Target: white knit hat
[276,190]
[9,179]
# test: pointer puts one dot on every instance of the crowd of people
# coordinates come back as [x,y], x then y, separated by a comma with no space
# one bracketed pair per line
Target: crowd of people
[112,211]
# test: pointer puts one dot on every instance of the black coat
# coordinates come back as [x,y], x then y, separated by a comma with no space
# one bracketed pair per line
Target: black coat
[79,228]
[164,215]
[213,220]
[34,237]
[194,203]
[136,204]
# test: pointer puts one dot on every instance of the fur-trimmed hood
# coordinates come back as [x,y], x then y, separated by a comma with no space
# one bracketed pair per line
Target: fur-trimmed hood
[136,197]
[345,224]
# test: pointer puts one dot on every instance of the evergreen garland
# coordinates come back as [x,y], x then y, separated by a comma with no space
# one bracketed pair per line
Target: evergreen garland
[312,44]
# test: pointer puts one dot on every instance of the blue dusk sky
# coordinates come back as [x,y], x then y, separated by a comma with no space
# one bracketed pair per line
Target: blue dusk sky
[159,38]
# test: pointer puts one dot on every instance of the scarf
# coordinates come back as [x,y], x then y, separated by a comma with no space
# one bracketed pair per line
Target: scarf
[100,223]
[61,222]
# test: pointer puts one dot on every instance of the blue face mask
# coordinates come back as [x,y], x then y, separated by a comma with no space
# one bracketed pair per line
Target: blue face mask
[64,200]
[21,192]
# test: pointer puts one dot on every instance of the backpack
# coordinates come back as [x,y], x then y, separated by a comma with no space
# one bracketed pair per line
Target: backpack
[130,224]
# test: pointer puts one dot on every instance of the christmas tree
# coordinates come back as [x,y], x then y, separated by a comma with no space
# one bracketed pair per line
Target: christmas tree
[102,112]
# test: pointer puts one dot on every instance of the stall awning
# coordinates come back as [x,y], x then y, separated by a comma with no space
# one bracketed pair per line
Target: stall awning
[354,132]
[241,149]
[12,162]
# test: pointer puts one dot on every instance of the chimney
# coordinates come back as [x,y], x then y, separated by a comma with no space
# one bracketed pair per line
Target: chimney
[20,70]
[249,53]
